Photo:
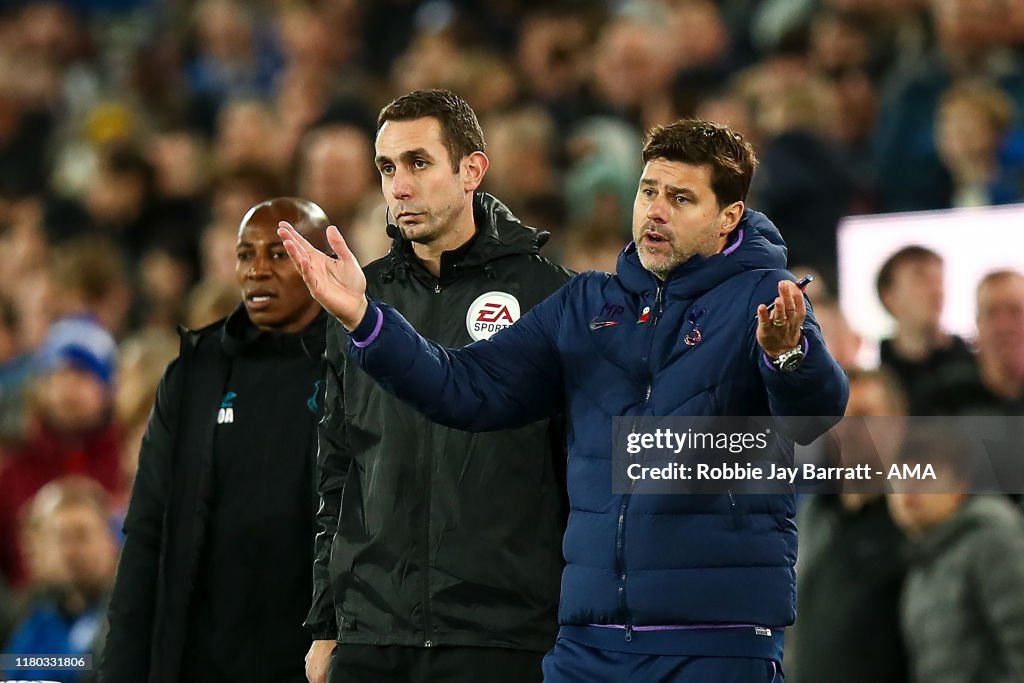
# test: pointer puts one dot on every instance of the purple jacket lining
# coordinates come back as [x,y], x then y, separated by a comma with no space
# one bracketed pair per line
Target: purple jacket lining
[678,628]
[373,335]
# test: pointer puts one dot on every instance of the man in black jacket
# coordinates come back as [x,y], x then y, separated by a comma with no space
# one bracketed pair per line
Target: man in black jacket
[469,591]
[215,575]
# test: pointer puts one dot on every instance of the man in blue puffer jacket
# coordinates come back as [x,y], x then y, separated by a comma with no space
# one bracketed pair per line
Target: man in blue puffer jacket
[657,588]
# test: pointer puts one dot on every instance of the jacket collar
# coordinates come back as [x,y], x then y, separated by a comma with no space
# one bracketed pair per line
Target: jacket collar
[239,334]
[756,244]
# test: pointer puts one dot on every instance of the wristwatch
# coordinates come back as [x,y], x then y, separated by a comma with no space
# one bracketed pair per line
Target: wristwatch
[788,361]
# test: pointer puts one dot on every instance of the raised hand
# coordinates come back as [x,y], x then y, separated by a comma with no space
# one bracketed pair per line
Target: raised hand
[778,329]
[338,284]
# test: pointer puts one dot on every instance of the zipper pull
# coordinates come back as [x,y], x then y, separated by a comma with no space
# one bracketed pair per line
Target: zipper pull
[657,304]
[629,633]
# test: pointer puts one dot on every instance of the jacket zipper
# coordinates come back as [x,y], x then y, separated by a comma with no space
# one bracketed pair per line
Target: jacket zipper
[427,627]
[428,640]
[620,535]
[735,510]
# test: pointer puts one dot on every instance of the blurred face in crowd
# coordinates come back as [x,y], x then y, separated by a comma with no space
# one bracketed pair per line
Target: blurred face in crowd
[856,97]
[224,30]
[969,26]
[701,36]
[73,400]
[178,158]
[116,197]
[632,63]
[337,173]
[245,134]
[965,135]
[275,296]
[676,216]
[550,52]
[919,510]
[85,545]
[917,293]
[842,341]
[1001,321]
[873,442]
[425,196]
[870,396]
[837,43]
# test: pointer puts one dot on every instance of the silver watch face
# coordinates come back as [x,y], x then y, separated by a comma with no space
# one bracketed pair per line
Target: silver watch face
[790,360]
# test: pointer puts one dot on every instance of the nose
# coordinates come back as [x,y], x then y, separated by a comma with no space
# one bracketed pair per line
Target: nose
[657,212]
[260,267]
[401,185]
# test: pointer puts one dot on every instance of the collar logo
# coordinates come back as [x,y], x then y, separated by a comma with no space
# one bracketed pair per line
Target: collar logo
[605,317]
[490,313]
[311,401]
[226,413]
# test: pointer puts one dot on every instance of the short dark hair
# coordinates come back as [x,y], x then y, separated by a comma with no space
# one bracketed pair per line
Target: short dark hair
[703,143]
[915,253]
[998,276]
[460,130]
[90,266]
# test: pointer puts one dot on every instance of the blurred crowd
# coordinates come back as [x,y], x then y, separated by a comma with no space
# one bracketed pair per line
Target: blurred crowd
[134,135]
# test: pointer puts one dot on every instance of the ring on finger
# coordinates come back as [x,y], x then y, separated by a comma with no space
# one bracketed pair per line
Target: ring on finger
[778,323]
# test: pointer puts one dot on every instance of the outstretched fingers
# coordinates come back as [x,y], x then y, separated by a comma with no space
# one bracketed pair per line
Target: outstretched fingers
[340,247]
[299,251]
[289,234]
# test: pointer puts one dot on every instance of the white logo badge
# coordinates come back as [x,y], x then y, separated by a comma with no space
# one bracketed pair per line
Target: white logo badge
[491,312]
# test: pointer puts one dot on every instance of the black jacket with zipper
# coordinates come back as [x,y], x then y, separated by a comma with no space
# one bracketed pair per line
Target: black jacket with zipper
[220,525]
[431,536]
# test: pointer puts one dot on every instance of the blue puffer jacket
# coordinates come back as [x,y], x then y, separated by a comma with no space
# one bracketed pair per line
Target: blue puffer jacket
[653,559]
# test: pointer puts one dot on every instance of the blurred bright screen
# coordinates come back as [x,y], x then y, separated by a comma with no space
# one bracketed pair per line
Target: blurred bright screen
[972,242]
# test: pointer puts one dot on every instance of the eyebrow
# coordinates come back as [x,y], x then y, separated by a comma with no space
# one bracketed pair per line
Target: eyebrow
[407,156]
[671,189]
[250,245]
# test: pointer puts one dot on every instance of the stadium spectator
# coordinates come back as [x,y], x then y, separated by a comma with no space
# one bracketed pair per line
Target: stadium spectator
[335,170]
[70,426]
[842,341]
[73,517]
[962,608]
[971,44]
[850,568]
[911,286]
[992,383]
[973,136]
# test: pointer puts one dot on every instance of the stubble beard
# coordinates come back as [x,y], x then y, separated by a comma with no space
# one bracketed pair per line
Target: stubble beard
[433,225]
[662,266]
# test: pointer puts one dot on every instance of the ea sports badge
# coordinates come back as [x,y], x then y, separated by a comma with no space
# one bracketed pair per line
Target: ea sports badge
[491,312]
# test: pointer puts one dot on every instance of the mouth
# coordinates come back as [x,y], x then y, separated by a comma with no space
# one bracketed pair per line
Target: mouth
[652,237]
[259,300]
[408,215]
